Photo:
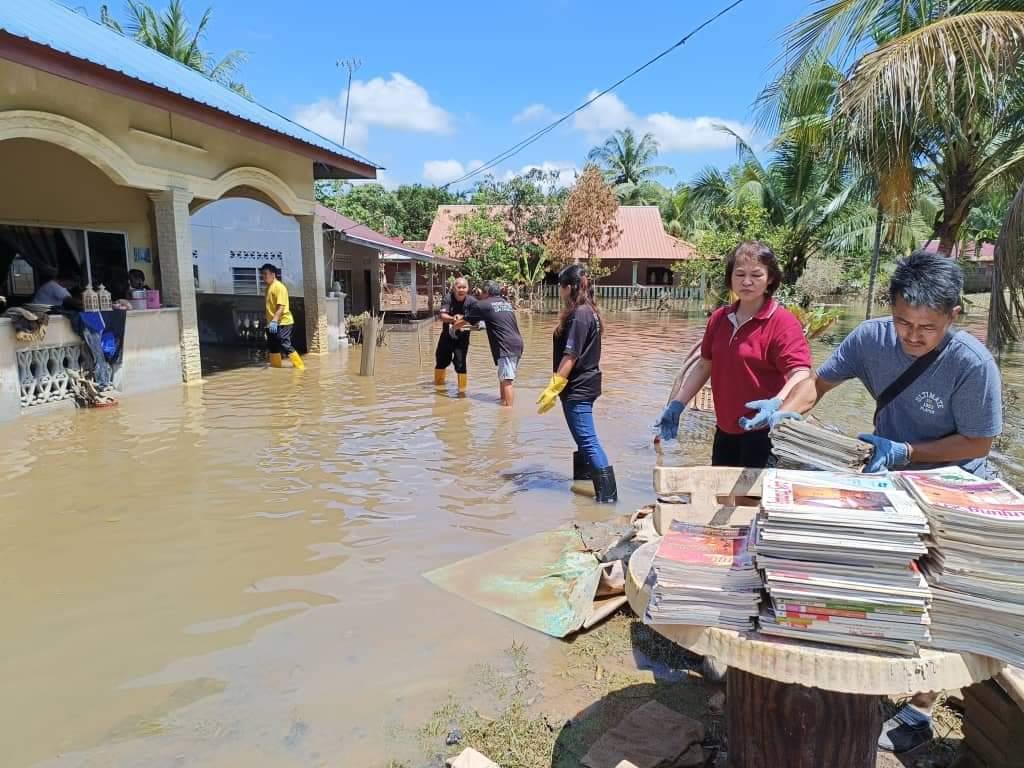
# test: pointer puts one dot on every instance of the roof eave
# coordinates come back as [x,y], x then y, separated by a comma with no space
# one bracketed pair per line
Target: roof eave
[327,165]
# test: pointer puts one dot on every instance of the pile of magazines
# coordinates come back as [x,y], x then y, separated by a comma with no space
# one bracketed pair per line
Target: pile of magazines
[798,444]
[704,575]
[976,563]
[838,553]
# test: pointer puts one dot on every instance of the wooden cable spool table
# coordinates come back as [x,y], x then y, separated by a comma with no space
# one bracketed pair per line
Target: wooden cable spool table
[803,705]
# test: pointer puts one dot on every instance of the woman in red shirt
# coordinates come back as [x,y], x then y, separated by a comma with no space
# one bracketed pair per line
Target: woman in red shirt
[754,352]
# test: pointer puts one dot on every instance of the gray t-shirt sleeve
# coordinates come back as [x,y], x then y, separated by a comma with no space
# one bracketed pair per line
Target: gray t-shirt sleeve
[847,360]
[977,403]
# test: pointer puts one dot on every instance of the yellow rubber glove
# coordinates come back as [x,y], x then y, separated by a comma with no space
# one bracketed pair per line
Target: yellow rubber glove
[547,398]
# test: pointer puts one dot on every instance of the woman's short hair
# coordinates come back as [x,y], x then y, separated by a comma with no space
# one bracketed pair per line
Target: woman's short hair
[755,249]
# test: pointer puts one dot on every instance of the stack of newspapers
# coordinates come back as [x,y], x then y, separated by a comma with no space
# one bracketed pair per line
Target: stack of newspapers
[798,444]
[976,563]
[838,553]
[704,575]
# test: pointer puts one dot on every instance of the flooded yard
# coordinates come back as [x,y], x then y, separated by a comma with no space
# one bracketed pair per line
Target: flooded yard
[230,574]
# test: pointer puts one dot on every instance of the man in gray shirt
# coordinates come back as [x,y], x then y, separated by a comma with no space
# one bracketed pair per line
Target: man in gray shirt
[949,414]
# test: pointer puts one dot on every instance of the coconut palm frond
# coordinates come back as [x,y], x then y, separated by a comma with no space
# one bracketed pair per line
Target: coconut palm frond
[929,67]
[1006,308]
[223,70]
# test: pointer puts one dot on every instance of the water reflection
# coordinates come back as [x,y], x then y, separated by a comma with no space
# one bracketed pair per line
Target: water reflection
[230,574]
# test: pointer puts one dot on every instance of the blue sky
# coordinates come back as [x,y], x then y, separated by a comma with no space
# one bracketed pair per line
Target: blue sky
[444,85]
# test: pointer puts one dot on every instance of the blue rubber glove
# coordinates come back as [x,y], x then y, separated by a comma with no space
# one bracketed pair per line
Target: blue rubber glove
[668,424]
[764,408]
[272,326]
[779,416]
[888,454]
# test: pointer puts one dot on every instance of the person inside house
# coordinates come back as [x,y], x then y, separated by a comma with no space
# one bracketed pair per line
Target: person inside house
[499,318]
[754,351]
[453,345]
[280,321]
[53,291]
[938,402]
[577,380]
[137,280]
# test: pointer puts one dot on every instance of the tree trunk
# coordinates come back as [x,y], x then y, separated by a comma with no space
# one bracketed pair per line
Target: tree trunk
[874,262]
[795,266]
[774,724]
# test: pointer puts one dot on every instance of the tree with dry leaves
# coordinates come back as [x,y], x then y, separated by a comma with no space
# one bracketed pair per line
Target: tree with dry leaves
[586,224]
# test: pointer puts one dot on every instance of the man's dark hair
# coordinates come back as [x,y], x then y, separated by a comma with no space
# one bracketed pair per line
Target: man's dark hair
[925,279]
[46,273]
[492,288]
[754,249]
[268,267]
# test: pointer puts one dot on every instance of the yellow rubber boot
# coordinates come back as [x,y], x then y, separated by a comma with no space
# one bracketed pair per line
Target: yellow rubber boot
[463,383]
[274,359]
[439,375]
[297,363]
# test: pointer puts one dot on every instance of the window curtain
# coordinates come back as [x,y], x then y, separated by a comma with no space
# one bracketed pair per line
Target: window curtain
[35,245]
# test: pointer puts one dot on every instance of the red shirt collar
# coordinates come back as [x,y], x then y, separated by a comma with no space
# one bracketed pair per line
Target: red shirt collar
[767,309]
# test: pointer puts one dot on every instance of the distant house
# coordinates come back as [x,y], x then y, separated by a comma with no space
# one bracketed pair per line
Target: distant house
[643,255]
[978,264]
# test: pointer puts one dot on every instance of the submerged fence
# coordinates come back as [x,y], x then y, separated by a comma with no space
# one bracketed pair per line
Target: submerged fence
[635,296]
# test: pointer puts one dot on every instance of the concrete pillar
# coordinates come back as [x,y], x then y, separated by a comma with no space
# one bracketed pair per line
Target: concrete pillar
[177,286]
[314,286]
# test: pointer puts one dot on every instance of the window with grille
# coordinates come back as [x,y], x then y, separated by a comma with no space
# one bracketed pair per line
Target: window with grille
[245,280]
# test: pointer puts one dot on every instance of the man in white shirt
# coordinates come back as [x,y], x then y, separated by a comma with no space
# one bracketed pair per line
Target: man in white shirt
[51,292]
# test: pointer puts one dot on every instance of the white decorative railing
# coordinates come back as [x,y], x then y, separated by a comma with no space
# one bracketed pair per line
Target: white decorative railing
[43,373]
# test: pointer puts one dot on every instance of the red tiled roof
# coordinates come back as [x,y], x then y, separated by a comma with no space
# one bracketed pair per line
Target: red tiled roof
[353,229]
[643,234]
[988,251]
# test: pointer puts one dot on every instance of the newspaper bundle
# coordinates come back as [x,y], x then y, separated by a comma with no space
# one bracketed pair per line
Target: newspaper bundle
[974,564]
[704,575]
[838,553]
[798,444]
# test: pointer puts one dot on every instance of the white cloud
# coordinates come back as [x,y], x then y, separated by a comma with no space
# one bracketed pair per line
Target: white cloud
[396,102]
[674,133]
[442,171]
[532,113]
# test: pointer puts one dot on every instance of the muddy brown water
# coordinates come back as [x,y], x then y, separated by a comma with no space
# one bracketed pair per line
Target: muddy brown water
[230,574]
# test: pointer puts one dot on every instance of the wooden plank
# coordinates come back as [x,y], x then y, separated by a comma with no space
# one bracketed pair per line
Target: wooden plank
[702,514]
[703,483]
[993,698]
[1012,682]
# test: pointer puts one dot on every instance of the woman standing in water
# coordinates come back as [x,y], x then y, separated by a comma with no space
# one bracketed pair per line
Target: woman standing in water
[577,380]
[754,352]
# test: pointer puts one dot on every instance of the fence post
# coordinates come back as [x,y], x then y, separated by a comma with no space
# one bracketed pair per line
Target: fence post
[369,351]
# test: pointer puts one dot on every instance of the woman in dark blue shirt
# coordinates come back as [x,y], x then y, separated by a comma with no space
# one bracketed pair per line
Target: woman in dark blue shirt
[577,379]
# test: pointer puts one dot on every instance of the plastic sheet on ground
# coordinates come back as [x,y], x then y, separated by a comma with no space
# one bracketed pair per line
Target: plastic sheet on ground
[547,581]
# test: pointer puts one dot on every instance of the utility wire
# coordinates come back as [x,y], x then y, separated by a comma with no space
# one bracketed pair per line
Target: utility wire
[517,148]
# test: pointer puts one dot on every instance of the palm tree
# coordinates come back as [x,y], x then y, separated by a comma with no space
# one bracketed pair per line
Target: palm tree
[170,33]
[806,184]
[942,81]
[627,165]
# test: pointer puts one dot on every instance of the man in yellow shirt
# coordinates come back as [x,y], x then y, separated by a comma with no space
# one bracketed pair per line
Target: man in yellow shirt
[279,320]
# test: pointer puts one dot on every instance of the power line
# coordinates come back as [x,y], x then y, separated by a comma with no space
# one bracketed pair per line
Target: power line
[515,149]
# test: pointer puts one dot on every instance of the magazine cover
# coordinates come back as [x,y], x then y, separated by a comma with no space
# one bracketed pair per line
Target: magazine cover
[705,545]
[960,492]
[835,491]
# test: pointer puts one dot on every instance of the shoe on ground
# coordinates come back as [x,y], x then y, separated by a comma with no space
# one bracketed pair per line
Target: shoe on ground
[905,731]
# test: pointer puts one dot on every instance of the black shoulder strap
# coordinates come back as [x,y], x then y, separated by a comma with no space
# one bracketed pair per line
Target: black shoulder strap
[908,377]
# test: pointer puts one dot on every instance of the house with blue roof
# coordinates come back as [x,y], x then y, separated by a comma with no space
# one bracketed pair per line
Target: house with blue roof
[107,148]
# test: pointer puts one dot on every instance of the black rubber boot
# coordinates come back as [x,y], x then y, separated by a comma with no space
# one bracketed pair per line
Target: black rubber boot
[605,491]
[580,466]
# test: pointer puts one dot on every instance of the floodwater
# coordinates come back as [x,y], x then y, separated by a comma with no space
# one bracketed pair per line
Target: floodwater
[230,574]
